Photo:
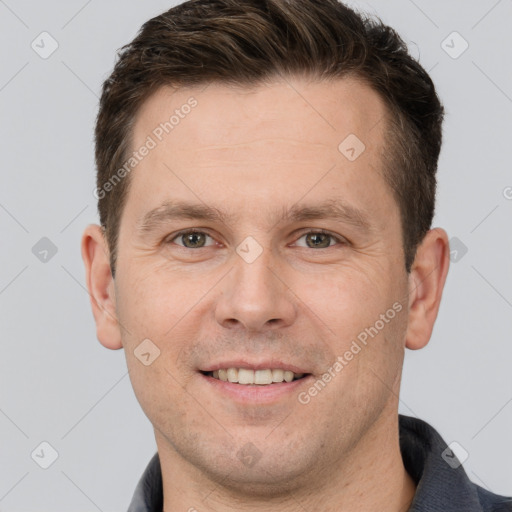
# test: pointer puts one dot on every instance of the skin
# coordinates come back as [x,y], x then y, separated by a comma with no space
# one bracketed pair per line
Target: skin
[251,153]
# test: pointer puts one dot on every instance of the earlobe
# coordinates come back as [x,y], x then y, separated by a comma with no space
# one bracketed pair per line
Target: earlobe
[100,285]
[426,283]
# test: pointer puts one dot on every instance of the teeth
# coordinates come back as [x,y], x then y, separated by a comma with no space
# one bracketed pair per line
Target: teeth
[232,374]
[277,375]
[245,376]
[288,376]
[263,377]
[260,377]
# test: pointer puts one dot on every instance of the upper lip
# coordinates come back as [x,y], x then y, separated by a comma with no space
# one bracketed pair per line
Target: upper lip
[253,365]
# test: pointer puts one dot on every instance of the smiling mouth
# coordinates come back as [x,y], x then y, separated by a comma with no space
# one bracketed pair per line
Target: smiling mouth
[247,376]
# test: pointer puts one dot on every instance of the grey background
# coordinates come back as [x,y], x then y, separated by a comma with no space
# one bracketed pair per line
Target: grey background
[59,385]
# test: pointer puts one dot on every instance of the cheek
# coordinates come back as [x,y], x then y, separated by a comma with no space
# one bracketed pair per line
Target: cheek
[155,304]
[160,315]
[159,391]
[347,300]
[363,320]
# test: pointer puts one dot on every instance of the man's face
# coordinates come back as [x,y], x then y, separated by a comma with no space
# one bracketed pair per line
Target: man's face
[257,289]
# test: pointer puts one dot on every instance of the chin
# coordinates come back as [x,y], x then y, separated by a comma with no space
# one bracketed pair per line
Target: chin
[263,480]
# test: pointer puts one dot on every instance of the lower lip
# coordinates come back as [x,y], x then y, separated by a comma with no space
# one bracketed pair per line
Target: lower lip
[256,393]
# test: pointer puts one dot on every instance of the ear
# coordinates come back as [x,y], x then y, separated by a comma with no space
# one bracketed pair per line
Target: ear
[100,284]
[426,283]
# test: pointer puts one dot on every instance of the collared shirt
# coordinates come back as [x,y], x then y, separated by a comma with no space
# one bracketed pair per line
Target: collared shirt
[442,484]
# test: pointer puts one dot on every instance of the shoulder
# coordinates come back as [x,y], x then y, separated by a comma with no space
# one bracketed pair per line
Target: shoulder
[441,481]
[493,502]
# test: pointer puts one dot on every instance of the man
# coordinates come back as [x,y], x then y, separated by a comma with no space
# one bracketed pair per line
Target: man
[266,186]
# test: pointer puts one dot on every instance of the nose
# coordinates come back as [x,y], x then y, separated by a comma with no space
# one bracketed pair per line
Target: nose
[256,296]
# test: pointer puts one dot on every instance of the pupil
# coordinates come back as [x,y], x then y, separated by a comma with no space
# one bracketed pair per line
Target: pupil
[195,239]
[192,237]
[315,238]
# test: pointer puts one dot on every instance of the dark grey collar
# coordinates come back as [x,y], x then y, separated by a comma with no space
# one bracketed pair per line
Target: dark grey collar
[440,486]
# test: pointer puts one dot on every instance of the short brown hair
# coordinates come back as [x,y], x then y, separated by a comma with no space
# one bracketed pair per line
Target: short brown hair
[244,42]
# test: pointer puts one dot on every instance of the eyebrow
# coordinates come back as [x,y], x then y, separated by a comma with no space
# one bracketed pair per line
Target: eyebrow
[178,210]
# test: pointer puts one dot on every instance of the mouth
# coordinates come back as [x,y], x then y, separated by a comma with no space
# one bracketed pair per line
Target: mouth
[252,377]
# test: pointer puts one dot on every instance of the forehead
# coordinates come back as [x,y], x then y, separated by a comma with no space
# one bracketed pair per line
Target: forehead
[316,112]
[274,142]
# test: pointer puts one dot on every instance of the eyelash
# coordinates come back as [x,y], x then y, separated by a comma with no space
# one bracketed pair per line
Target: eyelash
[197,231]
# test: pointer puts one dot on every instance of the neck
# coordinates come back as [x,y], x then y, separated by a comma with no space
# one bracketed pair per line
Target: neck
[371,477]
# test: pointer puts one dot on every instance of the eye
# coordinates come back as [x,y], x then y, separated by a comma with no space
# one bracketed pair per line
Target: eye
[191,239]
[319,239]
[194,239]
